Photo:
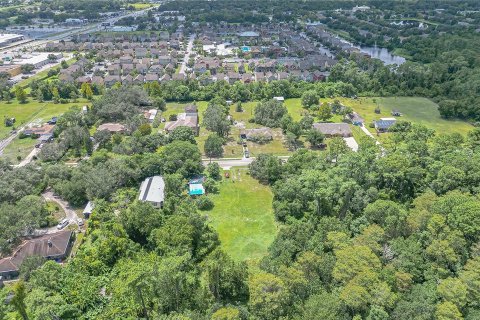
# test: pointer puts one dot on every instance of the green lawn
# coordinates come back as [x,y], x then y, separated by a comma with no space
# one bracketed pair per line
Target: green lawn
[414,109]
[32,110]
[243,216]
[18,149]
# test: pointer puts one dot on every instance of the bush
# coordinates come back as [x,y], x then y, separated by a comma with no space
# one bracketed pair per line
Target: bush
[204,203]
[172,117]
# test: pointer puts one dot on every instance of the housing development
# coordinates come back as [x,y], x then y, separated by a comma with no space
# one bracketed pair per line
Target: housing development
[240,160]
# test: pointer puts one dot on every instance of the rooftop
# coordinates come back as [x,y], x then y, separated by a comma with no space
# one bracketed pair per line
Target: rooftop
[152,189]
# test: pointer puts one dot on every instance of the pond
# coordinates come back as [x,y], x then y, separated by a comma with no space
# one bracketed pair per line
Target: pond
[382,54]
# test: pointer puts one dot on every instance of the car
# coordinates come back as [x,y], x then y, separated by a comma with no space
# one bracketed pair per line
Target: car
[244,143]
[63,224]
[80,222]
[247,154]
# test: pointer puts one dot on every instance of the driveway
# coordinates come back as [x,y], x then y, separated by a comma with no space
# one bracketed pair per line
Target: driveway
[70,214]
[351,143]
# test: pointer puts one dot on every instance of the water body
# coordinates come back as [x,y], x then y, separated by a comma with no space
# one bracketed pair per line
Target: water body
[383,54]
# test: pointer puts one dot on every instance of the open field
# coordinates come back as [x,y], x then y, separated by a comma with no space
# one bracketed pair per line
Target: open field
[243,216]
[414,109]
[32,110]
[18,149]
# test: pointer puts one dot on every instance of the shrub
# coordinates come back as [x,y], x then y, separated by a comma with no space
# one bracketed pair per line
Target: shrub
[204,203]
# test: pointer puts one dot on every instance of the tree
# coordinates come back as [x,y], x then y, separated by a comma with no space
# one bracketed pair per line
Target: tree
[86,91]
[448,311]
[324,112]
[182,133]
[214,146]
[226,313]
[18,300]
[215,119]
[315,137]
[159,103]
[309,99]
[453,290]
[269,113]
[268,296]
[266,168]
[27,68]
[213,171]
[181,157]
[29,265]
[145,129]
[325,306]
[337,147]
[20,94]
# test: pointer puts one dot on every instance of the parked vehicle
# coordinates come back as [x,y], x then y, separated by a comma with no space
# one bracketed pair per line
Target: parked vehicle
[63,224]
[80,222]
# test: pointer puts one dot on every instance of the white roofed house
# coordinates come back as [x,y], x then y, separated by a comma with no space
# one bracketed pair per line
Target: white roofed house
[153,190]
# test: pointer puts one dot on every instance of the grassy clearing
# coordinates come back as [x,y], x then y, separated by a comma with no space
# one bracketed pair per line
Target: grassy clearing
[141,6]
[243,216]
[30,111]
[414,109]
[55,210]
[19,149]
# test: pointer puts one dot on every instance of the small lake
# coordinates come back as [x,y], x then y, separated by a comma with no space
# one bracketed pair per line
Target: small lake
[383,54]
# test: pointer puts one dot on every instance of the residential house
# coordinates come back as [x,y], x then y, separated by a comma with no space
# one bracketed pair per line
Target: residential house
[110,80]
[334,129]
[187,119]
[52,246]
[152,190]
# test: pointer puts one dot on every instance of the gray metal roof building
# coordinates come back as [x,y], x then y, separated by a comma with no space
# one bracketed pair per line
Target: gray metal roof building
[153,190]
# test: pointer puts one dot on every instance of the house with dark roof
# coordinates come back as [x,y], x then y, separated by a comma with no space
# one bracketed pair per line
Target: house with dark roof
[52,246]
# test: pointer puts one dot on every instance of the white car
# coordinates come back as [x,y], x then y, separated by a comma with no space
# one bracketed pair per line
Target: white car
[63,224]
[80,222]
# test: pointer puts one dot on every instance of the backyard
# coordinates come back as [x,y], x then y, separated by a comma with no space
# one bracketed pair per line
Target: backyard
[243,216]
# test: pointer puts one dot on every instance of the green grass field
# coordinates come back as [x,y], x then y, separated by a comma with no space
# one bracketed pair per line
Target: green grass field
[414,109]
[18,149]
[30,111]
[243,216]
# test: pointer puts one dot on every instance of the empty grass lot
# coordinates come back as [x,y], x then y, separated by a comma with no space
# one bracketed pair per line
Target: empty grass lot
[243,216]
[414,109]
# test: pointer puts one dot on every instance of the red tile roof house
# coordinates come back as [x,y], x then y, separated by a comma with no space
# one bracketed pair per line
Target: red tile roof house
[52,246]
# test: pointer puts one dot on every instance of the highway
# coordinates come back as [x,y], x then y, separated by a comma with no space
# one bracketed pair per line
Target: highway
[32,44]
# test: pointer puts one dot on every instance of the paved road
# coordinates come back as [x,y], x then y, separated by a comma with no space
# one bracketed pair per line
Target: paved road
[227,163]
[5,142]
[189,50]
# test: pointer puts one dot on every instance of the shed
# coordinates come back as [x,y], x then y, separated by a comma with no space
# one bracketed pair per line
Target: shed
[195,186]
[384,124]
[88,210]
